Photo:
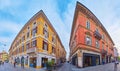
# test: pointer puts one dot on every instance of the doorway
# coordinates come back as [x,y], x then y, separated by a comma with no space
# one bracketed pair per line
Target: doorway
[33,62]
[44,61]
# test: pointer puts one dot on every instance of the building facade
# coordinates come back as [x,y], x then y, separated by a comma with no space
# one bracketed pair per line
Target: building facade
[37,43]
[0,56]
[4,56]
[90,44]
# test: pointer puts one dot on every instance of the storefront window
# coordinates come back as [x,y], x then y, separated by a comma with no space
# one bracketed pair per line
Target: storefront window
[26,61]
[97,61]
[18,60]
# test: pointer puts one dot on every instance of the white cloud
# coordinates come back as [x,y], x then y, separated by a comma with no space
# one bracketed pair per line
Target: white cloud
[10,26]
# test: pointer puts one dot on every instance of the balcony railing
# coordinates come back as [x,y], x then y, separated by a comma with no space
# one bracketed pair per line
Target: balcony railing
[31,50]
[104,51]
[97,35]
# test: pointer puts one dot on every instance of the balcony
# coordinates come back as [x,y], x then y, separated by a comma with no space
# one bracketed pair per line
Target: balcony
[104,51]
[31,50]
[97,35]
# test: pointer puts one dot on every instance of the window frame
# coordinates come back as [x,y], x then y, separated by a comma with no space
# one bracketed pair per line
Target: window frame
[88,24]
[97,44]
[90,43]
[45,48]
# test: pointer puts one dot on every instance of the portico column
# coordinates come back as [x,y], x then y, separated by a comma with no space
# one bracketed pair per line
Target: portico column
[38,64]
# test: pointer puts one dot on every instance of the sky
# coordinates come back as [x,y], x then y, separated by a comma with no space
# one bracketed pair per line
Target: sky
[14,15]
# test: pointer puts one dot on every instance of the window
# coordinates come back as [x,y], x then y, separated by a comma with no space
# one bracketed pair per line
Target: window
[53,49]
[23,48]
[88,25]
[97,30]
[103,36]
[45,45]
[107,49]
[28,28]
[97,43]
[34,24]
[27,34]
[20,40]
[27,45]
[45,31]
[88,40]
[23,38]
[34,31]
[107,40]
[53,39]
[18,51]
[102,46]
[34,43]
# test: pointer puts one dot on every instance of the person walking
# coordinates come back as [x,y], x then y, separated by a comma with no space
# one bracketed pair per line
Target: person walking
[22,63]
[14,63]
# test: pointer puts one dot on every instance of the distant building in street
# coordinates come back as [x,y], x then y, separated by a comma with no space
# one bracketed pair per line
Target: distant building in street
[4,56]
[37,43]
[116,54]
[90,44]
[0,56]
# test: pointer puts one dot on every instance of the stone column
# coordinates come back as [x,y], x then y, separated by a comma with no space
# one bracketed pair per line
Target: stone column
[39,64]
[29,61]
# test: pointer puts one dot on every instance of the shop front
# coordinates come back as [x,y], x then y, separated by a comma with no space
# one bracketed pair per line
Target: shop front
[44,61]
[90,59]
[33,62]
[75,60]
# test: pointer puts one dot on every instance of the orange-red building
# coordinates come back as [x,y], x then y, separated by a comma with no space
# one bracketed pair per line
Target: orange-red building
[90,44]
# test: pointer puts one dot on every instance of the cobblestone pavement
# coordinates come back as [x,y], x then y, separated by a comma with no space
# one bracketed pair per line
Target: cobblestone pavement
[64,67]
[105,67]
[10,67]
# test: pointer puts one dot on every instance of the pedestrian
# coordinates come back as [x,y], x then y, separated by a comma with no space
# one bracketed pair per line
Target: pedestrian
[14,64]
[15,61]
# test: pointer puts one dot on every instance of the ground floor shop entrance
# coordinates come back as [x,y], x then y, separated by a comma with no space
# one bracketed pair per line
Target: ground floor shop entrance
[90,59]
[43,61]
[75,60]
[33,62]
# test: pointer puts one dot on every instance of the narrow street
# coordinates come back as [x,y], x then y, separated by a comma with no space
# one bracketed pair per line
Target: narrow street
[106,67]
[10,67]
[64,67]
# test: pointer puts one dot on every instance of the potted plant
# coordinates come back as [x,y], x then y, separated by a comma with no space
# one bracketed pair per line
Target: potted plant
[49,65]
